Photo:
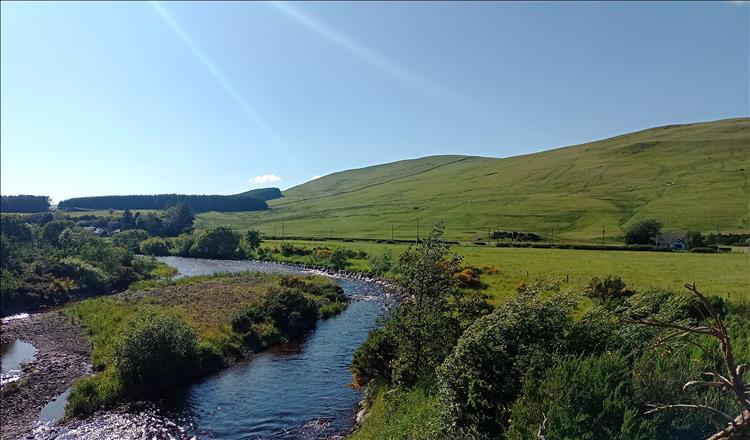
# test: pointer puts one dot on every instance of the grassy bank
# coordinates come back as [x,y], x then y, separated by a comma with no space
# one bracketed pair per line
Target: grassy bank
[399,414]
[231,315]
[724,274]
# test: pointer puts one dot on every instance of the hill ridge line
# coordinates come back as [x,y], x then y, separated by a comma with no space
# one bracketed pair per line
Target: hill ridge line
[375,184]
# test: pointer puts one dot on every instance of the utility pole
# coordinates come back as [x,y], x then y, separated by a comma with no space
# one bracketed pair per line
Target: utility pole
[489,236]
[417,230]
[602,234]
[392,233]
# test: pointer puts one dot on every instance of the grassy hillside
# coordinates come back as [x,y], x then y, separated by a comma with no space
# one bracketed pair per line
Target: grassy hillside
[688,176]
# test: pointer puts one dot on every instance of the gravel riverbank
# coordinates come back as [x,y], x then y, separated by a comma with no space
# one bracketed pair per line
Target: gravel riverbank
[63,353]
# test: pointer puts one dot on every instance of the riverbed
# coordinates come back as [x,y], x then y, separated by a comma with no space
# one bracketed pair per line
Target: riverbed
[296,390]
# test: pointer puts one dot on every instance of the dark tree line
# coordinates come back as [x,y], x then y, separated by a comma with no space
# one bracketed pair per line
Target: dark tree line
[24,203]
[198,203]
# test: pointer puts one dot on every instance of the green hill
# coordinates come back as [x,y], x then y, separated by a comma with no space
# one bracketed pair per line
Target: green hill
[692,176]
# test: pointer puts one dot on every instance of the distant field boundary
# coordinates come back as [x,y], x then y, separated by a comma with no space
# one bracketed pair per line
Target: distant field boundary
[584,247]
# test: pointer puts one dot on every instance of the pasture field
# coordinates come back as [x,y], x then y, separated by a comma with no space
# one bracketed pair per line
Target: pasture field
[692,176]
[723,274]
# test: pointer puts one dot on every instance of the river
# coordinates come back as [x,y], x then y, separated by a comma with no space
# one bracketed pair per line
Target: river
[297,390]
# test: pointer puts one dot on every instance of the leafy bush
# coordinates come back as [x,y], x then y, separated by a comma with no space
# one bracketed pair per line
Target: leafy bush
[155,246]
[85,275]
[582,398]
[155,350]
[610,292]
[284,314]
[289,250]
[219,243]
[339,259]
[483,375]
[380,264]
[130,239]
[372,359]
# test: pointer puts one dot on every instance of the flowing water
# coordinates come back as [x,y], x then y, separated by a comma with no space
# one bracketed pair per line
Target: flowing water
[297,390]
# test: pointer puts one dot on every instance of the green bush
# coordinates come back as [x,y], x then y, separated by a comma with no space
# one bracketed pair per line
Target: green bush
[582,398]
[220,243]
[372,359]
[380,264]
[130,239]
[610,291]
[155,246]
[284,314]
[86,276]
[483,376]
[155,350]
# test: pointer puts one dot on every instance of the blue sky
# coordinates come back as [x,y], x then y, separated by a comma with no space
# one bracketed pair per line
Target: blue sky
[123,98]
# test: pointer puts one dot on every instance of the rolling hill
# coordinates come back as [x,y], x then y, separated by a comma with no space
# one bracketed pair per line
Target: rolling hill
[692,176]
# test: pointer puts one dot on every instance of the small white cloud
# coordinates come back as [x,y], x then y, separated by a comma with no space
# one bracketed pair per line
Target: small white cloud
[317,176]
[266,178]
[738,2]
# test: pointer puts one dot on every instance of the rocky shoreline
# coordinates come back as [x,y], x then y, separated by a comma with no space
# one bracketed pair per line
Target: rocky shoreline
[63,353]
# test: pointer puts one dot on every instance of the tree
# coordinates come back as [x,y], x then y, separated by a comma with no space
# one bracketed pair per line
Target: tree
[695,239]
[51,231]
[177,219]
[220,243]
[128,222]
[253,239]
[424,328]
[643,232]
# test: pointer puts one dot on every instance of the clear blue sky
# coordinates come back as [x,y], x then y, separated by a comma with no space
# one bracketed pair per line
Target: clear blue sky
[123,98]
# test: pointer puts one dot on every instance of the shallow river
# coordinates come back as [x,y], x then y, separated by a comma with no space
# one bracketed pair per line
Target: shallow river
[296,390]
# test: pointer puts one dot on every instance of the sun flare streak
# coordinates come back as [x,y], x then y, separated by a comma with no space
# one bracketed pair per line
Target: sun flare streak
[220,78]
[401,73]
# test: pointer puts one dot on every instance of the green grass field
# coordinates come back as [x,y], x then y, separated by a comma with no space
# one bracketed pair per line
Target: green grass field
[725,274]
[689,176]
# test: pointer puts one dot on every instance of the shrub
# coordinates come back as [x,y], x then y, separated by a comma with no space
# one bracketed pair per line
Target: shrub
[289,250]
[582,398]
[219,243]
[155,350]
[469,278]
[372,359]
[155,246]
[380,264]
[703,250]
[84,274]
[339,259]
[610,291]
[130,239]
[483,375]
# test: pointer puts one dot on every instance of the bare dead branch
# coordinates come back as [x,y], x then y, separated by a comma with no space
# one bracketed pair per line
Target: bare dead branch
[655,407]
